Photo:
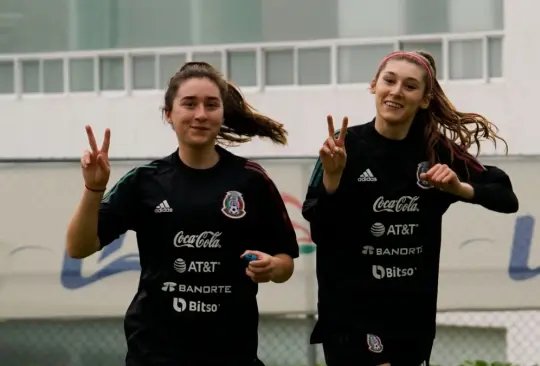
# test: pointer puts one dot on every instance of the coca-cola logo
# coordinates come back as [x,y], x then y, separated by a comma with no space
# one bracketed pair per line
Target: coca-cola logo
[402,204]
[206,239]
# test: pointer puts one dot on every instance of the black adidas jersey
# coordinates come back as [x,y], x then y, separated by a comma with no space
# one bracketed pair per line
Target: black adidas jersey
[378,236]
[194,300]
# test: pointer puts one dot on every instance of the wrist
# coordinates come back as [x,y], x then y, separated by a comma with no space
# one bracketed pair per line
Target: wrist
[331,182]
[466,191]
[95,189]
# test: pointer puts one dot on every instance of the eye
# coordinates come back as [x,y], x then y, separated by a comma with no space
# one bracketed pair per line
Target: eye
[411,87]
[388,80]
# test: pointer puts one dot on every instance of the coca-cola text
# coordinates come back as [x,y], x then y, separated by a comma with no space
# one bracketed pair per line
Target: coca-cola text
[402,204]
[206,239]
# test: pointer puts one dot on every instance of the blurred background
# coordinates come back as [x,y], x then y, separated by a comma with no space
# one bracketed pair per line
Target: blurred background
[67,63]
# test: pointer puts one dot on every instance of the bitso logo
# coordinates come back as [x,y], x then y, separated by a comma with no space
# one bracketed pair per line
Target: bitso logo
[206,239]
[378,229]
[402,204]
[369,250]
[380,272]
[234,205]
[180,305]
[181,266]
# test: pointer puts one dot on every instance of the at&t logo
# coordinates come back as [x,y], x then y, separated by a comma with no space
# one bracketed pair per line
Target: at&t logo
[180,305]
[380,272]
[378,229]
[181,266]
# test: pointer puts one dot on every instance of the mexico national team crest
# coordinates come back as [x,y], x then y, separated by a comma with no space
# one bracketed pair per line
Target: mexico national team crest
[423,167]
[374,343]
[234,205]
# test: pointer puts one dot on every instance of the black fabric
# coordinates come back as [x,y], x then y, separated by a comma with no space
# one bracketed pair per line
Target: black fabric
[348,350]
[378,236]
[195,302]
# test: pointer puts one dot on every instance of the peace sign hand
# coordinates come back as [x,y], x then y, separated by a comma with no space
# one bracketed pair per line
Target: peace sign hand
[95,163]
[333,155]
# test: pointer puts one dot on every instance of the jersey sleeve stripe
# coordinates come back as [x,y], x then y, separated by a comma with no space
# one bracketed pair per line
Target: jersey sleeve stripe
[123,180]
[318,170]
[253,166]
[463,155]
[317,174]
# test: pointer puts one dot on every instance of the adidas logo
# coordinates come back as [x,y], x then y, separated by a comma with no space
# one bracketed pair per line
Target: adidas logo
[367,176]
[163,207]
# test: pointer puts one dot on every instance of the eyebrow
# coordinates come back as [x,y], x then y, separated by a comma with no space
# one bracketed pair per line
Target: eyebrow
[409,78]
[192,97]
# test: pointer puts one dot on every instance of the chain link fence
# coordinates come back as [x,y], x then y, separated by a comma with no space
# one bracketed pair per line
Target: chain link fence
[501,338]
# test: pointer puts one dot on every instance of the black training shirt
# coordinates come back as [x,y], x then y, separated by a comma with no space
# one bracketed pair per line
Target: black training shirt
[194,301]
[378,236]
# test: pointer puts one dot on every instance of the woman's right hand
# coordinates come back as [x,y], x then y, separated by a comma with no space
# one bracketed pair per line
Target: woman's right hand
[95,163]
[332,154]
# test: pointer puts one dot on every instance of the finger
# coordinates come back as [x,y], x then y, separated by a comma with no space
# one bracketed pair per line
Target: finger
[91,139]
[447,178]
[260,263]
[432,170]
[260,271]
[325,151]
[331,144]
[440,173]
[331,130]
[340,152]
[106,141]
[86,159]
[250,273]
[103,163]
[343,131]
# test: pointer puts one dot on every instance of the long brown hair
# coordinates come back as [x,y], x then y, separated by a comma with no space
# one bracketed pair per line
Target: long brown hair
[241,121]
[443,123]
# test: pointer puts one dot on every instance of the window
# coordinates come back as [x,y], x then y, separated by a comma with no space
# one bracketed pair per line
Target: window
[58,25]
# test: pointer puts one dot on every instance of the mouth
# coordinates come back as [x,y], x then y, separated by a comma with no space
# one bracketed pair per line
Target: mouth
[199,128]
[393,105]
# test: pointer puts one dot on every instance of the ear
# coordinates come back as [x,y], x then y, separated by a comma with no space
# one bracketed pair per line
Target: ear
[372,86]
[425,102]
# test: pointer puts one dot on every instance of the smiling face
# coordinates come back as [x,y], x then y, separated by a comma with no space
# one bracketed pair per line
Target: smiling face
[400,90]
[197,112]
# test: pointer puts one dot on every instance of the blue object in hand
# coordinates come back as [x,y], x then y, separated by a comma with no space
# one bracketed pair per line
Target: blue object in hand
[250,257]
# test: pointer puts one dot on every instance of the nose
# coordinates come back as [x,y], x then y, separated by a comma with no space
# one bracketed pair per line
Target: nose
[397,89]
[200,112]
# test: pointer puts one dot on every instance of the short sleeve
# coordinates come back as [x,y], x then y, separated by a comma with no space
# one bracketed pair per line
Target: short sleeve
[275,225]
[117,209]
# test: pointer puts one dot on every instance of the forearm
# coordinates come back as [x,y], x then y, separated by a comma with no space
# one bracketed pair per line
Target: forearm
[284,268]
[493,196]
[82,234]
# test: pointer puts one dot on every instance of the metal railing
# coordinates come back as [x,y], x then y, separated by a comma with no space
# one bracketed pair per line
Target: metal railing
[257,66]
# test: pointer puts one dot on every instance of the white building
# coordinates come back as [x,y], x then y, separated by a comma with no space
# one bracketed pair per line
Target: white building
[67,63]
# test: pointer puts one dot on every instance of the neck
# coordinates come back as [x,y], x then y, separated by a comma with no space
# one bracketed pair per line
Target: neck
[392,131]
[198,158]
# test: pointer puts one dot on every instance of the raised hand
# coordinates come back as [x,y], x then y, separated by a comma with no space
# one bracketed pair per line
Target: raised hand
[332,154]
[95,163]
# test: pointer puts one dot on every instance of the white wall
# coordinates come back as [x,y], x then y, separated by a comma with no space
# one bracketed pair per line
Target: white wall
[39,126]
[54,127]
